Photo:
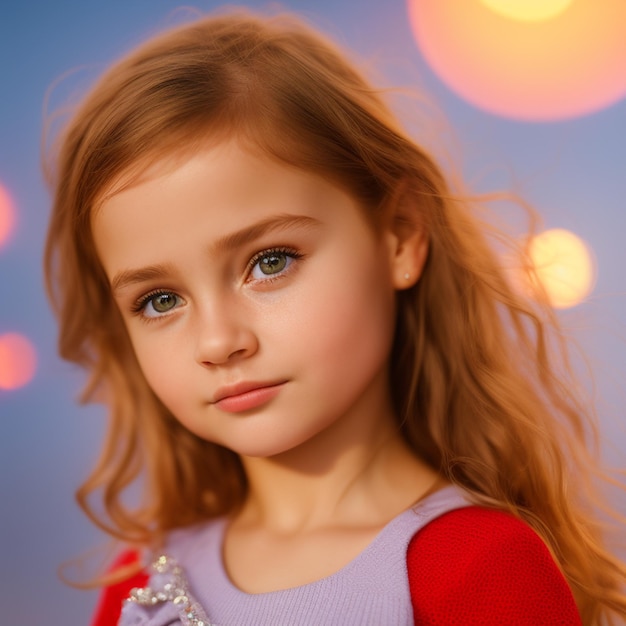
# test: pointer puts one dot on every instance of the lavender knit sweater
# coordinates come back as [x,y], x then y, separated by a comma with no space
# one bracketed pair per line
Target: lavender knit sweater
[370,590]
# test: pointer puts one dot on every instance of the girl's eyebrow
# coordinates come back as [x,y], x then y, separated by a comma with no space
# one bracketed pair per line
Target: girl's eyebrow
[268,225]
[125,278]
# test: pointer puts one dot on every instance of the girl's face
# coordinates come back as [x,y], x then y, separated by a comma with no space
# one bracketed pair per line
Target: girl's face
[259,300]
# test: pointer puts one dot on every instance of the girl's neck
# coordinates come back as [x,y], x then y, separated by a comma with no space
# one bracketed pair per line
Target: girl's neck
[358,476]
[311,512]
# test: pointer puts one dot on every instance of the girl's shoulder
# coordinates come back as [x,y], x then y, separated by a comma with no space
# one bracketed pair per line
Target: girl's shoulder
[474,562]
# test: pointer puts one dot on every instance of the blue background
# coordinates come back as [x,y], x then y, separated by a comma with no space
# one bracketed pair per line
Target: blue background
[573,172]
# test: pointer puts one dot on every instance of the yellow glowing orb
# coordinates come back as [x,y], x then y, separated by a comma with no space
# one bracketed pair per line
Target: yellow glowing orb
[7,216]
[528,10]
[546,69]
[563,265]
[18,361]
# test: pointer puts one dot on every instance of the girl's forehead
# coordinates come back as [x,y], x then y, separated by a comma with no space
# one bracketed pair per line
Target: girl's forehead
[250,163]
[152,165]
[165,159]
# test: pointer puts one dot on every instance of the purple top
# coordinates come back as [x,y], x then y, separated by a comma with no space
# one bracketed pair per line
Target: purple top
[372,589]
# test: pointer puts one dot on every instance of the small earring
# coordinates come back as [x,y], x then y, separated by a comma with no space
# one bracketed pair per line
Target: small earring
[407,276]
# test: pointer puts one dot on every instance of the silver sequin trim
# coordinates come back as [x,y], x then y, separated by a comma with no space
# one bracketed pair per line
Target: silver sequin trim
[168,584]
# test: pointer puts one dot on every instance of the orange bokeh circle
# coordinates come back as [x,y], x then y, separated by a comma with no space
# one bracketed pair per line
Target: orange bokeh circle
[562,266]
[563,67]
[7,215]
[18,361]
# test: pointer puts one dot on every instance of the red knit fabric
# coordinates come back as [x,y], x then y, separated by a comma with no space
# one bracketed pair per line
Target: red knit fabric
[110,604]
[476,566]
[469,567]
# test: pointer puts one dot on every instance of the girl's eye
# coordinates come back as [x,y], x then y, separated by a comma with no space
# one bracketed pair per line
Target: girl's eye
[156,304]
[271,263]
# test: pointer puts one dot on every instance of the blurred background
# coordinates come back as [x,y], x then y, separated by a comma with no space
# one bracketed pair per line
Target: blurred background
[525,96]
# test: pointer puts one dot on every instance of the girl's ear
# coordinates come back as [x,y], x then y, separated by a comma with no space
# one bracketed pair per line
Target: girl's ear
[408,243]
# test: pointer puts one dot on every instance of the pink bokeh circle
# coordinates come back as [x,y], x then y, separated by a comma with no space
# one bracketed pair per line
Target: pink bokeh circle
[7,215]
[18,361]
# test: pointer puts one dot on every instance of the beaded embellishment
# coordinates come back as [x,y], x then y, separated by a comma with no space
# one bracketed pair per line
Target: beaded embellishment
[169,584]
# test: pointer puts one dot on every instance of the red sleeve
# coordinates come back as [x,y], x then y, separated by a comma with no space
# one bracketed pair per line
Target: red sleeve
[479,566]
[109,606]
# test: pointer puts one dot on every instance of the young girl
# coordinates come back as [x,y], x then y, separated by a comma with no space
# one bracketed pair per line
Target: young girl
[337,408]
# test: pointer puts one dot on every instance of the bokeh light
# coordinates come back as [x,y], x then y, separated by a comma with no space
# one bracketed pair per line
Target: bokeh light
[528,10]
[18,361]
[564,266]
[7,215]
[569,65]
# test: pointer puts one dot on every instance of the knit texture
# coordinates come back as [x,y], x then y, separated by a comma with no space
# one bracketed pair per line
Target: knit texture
[370,590]
[478,566]
[433,565]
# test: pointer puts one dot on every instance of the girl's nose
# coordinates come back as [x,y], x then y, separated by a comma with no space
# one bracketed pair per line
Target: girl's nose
[222,336]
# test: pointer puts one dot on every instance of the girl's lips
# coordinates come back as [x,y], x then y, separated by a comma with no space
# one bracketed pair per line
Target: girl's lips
[246,396]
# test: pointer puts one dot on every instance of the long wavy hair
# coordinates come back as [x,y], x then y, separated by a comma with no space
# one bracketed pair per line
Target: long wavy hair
[479,381]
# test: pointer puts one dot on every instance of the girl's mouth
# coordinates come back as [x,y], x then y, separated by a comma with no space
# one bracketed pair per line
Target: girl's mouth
[246,396]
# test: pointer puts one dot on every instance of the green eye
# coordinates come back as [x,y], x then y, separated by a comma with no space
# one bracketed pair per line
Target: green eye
[157,303]
[273,263]
[163,302]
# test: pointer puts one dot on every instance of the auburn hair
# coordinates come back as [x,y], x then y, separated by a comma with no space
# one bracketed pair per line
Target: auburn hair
[481,386]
